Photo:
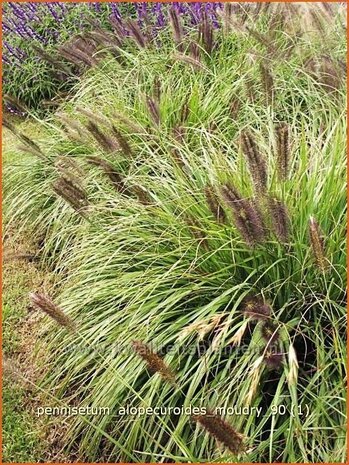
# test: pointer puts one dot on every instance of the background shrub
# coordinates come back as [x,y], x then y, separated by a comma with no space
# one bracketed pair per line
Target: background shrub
[121,191]
[26,26]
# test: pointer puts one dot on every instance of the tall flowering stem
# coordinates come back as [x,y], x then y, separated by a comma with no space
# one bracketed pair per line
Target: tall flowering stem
[317,244]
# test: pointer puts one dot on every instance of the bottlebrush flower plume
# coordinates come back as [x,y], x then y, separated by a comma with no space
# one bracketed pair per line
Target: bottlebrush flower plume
[270,332]
[206,33]
[110,171]
[222,431]
[137,34]
[122,141]
[214,205]
[280,219]
[267,82]
[317,244]
[273,360]
[45,304]
[154,110]
[256,308]
[247,216]
[177,27]
[106,142]
[256,162]
[71,193]
[154,362]
[283,151]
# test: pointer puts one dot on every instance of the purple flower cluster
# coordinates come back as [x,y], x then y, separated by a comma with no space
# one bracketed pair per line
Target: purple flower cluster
[27,20]
[23,23]
[49,24]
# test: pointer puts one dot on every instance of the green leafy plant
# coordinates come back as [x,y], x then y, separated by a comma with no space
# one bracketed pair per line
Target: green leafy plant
[191,198]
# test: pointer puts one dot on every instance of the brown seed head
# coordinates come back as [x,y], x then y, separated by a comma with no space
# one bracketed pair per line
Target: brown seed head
[154,362]
[280,219]
[142,195]
[273,360]
[112,174]
[222,431]
[75,195]
[122,141]
[137,34]
[256,308]
[206,33]
[247,217]
[267,82]
[270,332]
[106,142]
[177,27]
[234,108]
[214,205]
[154,110]
[317,244]
[256,162]
[283,151]
[190,60]
[45,304]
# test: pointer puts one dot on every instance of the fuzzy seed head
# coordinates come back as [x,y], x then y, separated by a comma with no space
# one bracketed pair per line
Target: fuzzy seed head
[106,142]
[154,362]
[273,360]
[270,332]
[142,195]
[317,244]
[154,110]
[247,217]
[283,151]
[206,33]
[280,219]
[71,192]
[190,60]
[234,108]
[256,308]
[177,27]
[268,83]
[256,162]
[222,431]
[110,171]
[139,37]
[122,141]
[214,205]
[45,304]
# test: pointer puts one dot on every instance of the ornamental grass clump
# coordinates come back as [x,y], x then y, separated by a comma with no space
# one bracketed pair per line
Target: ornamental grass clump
[39,62]
[200,235]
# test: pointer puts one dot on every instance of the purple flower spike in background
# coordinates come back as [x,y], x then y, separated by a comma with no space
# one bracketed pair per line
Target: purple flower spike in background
[51,24]
[115,10]
[52,8]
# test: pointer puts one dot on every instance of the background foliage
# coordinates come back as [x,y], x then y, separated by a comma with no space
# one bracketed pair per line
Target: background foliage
[114,191]
[27,26]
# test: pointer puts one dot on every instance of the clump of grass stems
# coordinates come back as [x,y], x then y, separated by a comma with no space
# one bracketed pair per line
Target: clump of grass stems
[227,243]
